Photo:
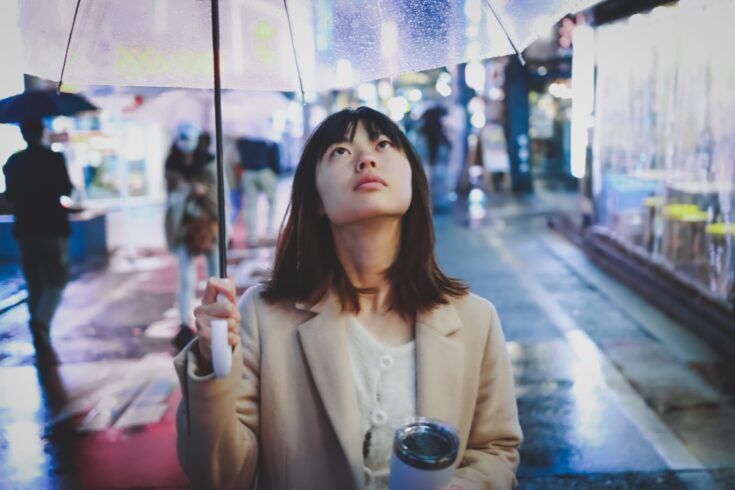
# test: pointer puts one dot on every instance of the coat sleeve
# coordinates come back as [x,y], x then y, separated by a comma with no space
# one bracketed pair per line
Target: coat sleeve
[491,458]
[217,421]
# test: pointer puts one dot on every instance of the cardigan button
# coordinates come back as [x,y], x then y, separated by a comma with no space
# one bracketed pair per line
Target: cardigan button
[378,418]
[386,363]
[368,476]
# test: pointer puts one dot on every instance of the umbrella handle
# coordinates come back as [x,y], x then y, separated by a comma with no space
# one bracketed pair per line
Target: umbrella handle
[221,350]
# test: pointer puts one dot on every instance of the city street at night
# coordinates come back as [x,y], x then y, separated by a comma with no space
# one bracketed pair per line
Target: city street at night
[367,245]
[611,393]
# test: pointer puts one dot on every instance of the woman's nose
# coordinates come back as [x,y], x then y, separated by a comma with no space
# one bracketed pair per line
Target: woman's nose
[366,162]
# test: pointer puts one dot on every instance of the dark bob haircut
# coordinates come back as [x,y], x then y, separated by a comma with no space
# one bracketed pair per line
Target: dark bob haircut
[306,266]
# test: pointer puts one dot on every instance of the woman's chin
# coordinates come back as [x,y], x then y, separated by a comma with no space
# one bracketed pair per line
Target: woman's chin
[364,216]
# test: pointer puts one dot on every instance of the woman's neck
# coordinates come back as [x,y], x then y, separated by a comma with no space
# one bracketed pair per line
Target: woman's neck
[366,251]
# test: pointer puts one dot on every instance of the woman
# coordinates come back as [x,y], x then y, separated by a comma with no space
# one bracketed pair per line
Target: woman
[356,330]
[191,216]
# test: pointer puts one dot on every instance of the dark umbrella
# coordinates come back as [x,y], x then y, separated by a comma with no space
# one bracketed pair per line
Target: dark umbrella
[37,104]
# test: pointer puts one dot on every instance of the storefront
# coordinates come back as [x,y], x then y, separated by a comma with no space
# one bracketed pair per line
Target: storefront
[663,139]
[112,159]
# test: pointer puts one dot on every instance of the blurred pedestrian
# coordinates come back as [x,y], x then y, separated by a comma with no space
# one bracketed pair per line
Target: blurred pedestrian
[494,154]
[437,146]
[357,330]
[191,216]
[433,130]
[260,160]
[233,174]
[36,179]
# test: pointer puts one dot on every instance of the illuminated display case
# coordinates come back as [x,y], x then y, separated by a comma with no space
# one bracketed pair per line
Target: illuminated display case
[664,138]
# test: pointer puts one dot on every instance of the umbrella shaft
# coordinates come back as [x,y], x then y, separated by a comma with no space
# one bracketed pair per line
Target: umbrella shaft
[222,230]
[68,44]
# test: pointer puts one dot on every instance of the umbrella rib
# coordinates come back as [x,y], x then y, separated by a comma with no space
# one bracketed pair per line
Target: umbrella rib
[505,31]
[293,48]
[68,44]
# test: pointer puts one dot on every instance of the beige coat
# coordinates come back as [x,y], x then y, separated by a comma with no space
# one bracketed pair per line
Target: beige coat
[288,411]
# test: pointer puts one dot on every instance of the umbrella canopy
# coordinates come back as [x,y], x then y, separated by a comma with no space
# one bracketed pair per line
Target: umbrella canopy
[330,44]
[243,113]
[269,45]
[38,104]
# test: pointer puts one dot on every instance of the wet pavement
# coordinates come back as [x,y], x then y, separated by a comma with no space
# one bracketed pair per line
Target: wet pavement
[611,393]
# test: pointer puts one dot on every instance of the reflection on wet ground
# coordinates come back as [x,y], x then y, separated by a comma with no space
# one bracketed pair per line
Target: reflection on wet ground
[611,393]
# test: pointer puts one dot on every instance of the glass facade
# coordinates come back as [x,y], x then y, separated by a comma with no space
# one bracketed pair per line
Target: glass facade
[664,138]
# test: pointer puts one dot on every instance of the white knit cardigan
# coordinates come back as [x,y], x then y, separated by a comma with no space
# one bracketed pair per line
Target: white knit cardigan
[385,380]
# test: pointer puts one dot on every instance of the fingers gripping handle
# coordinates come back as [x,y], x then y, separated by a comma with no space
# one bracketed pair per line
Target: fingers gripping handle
[221,350]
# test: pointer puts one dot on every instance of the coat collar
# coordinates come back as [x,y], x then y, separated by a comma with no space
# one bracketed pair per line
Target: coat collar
[443,318]
[324,342]
[439,370]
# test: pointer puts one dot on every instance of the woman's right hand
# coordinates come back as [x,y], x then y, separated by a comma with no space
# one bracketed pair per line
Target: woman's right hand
[211,309]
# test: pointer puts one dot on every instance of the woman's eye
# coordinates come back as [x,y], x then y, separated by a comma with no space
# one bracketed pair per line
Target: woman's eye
[385,144]
[339,151]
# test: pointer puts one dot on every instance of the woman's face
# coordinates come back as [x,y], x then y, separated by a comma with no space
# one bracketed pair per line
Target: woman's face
[363,179]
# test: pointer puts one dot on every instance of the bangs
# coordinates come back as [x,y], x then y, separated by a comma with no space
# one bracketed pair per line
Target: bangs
[342,126]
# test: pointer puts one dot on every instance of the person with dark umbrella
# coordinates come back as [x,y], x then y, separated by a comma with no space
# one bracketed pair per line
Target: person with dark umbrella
[433,130]
[36,178]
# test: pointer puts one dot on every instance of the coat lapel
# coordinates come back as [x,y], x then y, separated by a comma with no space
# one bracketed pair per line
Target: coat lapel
[439,365]
[324,341]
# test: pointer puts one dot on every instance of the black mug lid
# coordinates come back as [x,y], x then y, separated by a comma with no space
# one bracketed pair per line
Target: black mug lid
[426,444]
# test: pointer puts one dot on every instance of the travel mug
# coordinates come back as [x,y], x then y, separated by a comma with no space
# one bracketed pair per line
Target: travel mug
[424,452]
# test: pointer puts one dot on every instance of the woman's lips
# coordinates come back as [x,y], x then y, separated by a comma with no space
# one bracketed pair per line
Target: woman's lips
[370,181]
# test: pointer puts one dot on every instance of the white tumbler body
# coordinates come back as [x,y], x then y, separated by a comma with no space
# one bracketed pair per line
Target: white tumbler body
[424,453]
[405,477]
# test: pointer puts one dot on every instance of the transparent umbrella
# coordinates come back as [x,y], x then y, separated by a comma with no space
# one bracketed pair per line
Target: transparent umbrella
[265,44]
[277,45]
[268,45]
